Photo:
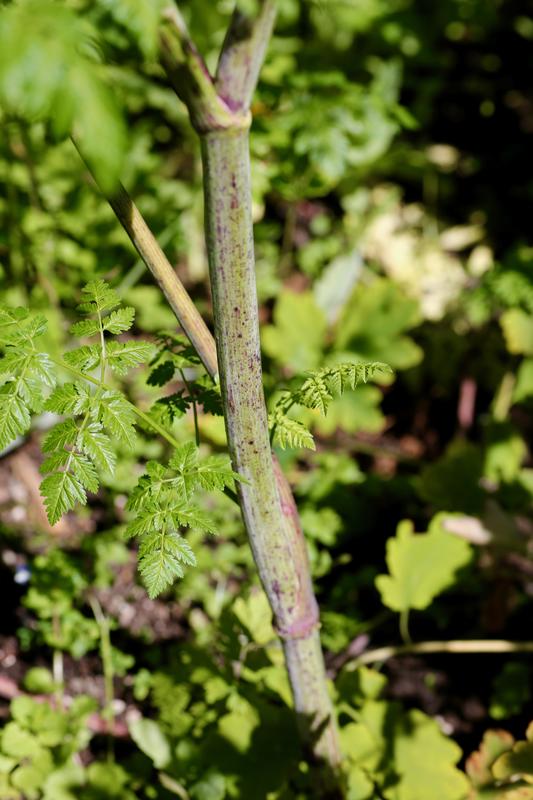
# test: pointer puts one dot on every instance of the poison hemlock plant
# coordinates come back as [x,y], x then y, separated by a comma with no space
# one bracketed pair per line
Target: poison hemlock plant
[97,417]
[316,392]
[162,502]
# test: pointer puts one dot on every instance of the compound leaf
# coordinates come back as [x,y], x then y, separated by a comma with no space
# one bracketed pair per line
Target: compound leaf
[61,491]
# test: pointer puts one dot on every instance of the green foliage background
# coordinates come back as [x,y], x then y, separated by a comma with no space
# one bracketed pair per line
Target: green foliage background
[389,146]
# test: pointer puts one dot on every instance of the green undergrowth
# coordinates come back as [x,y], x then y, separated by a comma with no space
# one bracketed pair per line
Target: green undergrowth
[394,275]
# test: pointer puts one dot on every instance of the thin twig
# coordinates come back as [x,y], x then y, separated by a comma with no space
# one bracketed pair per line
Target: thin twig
[472,646]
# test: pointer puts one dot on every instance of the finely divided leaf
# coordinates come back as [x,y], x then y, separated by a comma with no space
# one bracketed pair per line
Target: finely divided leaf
[97,445]
[117,415]
[215,472]
[85,327]
[185,458]
[98,296]
[26,372]
[27,331]
[211,473]
[61,491]
[14,416]
[120,320]
[84,358]
[64,433]
[171,407]
[10,321]
[117,322]
[161,559]
[71,398]
[122,356]
[290,433]
[55,461]
[84,470]
[162,373]
[316,392]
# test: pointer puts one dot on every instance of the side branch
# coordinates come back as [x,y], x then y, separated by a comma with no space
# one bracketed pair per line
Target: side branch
[471,646]
[190,77]
[179,300]
[242,55]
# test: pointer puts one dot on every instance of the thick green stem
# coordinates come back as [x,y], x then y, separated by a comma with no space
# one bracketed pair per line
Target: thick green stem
[269,516]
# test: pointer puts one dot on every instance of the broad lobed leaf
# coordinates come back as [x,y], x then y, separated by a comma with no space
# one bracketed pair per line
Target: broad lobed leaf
[421,565]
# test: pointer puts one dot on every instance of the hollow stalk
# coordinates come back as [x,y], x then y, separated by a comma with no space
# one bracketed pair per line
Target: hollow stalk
[269,517]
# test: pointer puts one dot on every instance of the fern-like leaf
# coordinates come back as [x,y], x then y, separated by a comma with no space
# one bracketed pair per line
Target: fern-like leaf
[61,492]
[162,504]
[15,417]
[316,392]
[211,473]
[97,445]
[162,373]
[118,416]
[26,372]
[123,356]
[120,320]
[71,398]
[62,434]
[84,358]
[98,296]
[85,471]
[161,561]
[291,433]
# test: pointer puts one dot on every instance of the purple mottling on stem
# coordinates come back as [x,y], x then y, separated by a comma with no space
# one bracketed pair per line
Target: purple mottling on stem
[301,628]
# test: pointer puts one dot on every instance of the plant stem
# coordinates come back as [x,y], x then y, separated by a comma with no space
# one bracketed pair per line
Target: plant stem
[404,626]
[242,55]
[106,655]
[269,517]
[194,407]
[174,291]
[220,114]
[471,646]
[58,664]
